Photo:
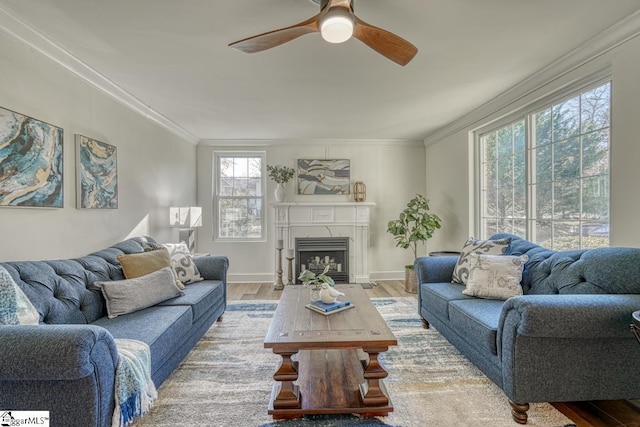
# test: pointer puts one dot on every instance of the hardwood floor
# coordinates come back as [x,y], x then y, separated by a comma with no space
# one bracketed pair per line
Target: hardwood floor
[603,413]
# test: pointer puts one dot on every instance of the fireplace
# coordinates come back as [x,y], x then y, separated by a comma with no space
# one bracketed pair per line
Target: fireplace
[316,253]
[318,220]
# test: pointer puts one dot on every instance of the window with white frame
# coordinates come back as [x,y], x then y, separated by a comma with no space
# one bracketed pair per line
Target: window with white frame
[544,175]
[239,180]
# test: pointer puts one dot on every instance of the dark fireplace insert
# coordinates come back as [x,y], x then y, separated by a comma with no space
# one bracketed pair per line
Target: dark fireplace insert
[316,253]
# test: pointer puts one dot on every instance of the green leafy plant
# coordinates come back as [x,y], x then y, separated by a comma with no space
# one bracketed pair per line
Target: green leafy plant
[280,174]
[415,225]
[308,277]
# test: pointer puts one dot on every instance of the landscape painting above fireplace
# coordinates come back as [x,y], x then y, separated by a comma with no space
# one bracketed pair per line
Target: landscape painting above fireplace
[323,176]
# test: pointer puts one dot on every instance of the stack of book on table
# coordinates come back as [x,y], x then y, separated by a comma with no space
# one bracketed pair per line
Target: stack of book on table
[326,309]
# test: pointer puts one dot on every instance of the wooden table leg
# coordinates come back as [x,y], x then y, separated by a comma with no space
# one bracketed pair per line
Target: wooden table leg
[372,391]
[288,396]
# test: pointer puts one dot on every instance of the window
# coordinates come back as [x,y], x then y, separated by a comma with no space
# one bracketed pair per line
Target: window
[239,196]
[545,175]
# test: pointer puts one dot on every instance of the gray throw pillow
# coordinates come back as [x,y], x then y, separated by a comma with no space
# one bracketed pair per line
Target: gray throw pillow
[127,296]
[484,247]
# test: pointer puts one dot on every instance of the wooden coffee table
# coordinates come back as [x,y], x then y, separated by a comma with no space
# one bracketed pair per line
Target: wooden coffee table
[329,363]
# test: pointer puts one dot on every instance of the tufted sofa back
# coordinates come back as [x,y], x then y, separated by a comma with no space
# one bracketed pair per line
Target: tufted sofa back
[62,290]
[612,270]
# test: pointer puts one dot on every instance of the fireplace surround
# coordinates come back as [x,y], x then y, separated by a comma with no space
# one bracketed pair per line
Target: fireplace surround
[348,220]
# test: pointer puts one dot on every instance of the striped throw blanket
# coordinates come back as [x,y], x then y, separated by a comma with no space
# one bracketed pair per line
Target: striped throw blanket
[134,388]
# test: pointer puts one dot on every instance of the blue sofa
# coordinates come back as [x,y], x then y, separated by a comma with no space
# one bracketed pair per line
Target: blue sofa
[566,339]
[66,364]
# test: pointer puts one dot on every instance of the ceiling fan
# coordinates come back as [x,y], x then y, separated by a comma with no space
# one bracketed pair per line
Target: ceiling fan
[337,23]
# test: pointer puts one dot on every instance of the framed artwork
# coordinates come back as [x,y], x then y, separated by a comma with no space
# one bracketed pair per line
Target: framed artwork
[96,174]
[323,176]
[31,162]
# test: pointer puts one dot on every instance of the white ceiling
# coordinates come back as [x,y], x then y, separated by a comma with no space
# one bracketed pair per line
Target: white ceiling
[172,55]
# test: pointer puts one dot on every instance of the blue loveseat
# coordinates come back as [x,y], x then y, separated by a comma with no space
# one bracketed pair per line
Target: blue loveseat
[66,364]
[566,339]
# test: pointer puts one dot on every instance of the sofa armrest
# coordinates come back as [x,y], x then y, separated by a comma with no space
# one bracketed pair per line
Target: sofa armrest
[212,267]
[555,348]
[569,316]
[54,352]
[434,269]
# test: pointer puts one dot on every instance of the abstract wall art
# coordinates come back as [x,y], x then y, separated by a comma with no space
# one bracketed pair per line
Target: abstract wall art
[31,162]
[323,176]
[96,174]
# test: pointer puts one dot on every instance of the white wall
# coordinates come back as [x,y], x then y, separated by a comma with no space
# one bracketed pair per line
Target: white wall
[155,168]
[393,172]
[450,153]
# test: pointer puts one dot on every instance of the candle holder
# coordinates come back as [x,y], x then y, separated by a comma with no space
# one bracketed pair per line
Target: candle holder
[278,285]
[290,271]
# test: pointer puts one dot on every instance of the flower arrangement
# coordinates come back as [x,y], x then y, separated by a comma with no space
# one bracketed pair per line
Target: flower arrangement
[280,174]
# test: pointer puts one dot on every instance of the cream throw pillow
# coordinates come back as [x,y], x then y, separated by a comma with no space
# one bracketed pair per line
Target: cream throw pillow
[143,263]
[495,276]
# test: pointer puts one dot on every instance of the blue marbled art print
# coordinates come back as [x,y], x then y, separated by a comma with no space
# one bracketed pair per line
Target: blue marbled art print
[97,174]
[31,154]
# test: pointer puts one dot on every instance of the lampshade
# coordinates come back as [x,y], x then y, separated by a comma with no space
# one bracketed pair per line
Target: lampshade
[336,26]
[185,217]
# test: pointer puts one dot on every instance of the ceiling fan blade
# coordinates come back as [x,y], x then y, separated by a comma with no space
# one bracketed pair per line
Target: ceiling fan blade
[276,37]
[385,43]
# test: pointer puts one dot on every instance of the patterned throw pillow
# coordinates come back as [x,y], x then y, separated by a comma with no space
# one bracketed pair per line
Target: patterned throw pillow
[15,307]
[489,247]
[495,276]
[183,263]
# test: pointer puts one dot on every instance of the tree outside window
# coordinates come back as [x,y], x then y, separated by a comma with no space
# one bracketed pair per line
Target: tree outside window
[545,176]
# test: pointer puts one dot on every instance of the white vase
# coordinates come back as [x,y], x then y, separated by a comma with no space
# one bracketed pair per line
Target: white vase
[280,192]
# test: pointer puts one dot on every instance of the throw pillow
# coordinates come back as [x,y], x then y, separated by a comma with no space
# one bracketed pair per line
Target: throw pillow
[495,276]
[489,247]
[182,263]
[129,295]
[150,246]
[140,264]
[15,307]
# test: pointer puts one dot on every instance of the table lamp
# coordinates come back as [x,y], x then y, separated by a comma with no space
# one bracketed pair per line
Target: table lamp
[186,219]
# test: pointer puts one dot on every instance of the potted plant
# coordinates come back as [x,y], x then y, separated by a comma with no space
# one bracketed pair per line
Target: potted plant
[281,175]
[315,281]
[414,226]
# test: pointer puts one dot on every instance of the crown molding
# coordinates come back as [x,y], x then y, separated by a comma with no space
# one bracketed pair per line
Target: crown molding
[30,36]
[598,47]
[311,142]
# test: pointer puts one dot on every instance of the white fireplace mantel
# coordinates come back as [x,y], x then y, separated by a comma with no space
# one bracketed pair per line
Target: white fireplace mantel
[329,219]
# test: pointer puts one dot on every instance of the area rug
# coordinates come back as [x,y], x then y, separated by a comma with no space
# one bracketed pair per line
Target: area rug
[227,378]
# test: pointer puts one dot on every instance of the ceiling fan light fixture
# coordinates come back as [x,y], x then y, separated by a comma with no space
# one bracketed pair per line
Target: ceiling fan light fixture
[336,26]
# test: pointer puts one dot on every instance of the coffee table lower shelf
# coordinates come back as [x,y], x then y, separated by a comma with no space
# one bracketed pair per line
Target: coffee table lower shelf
[330,382]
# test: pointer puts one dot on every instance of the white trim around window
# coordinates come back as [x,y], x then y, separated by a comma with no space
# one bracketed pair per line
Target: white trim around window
[563,202]
[239,184]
